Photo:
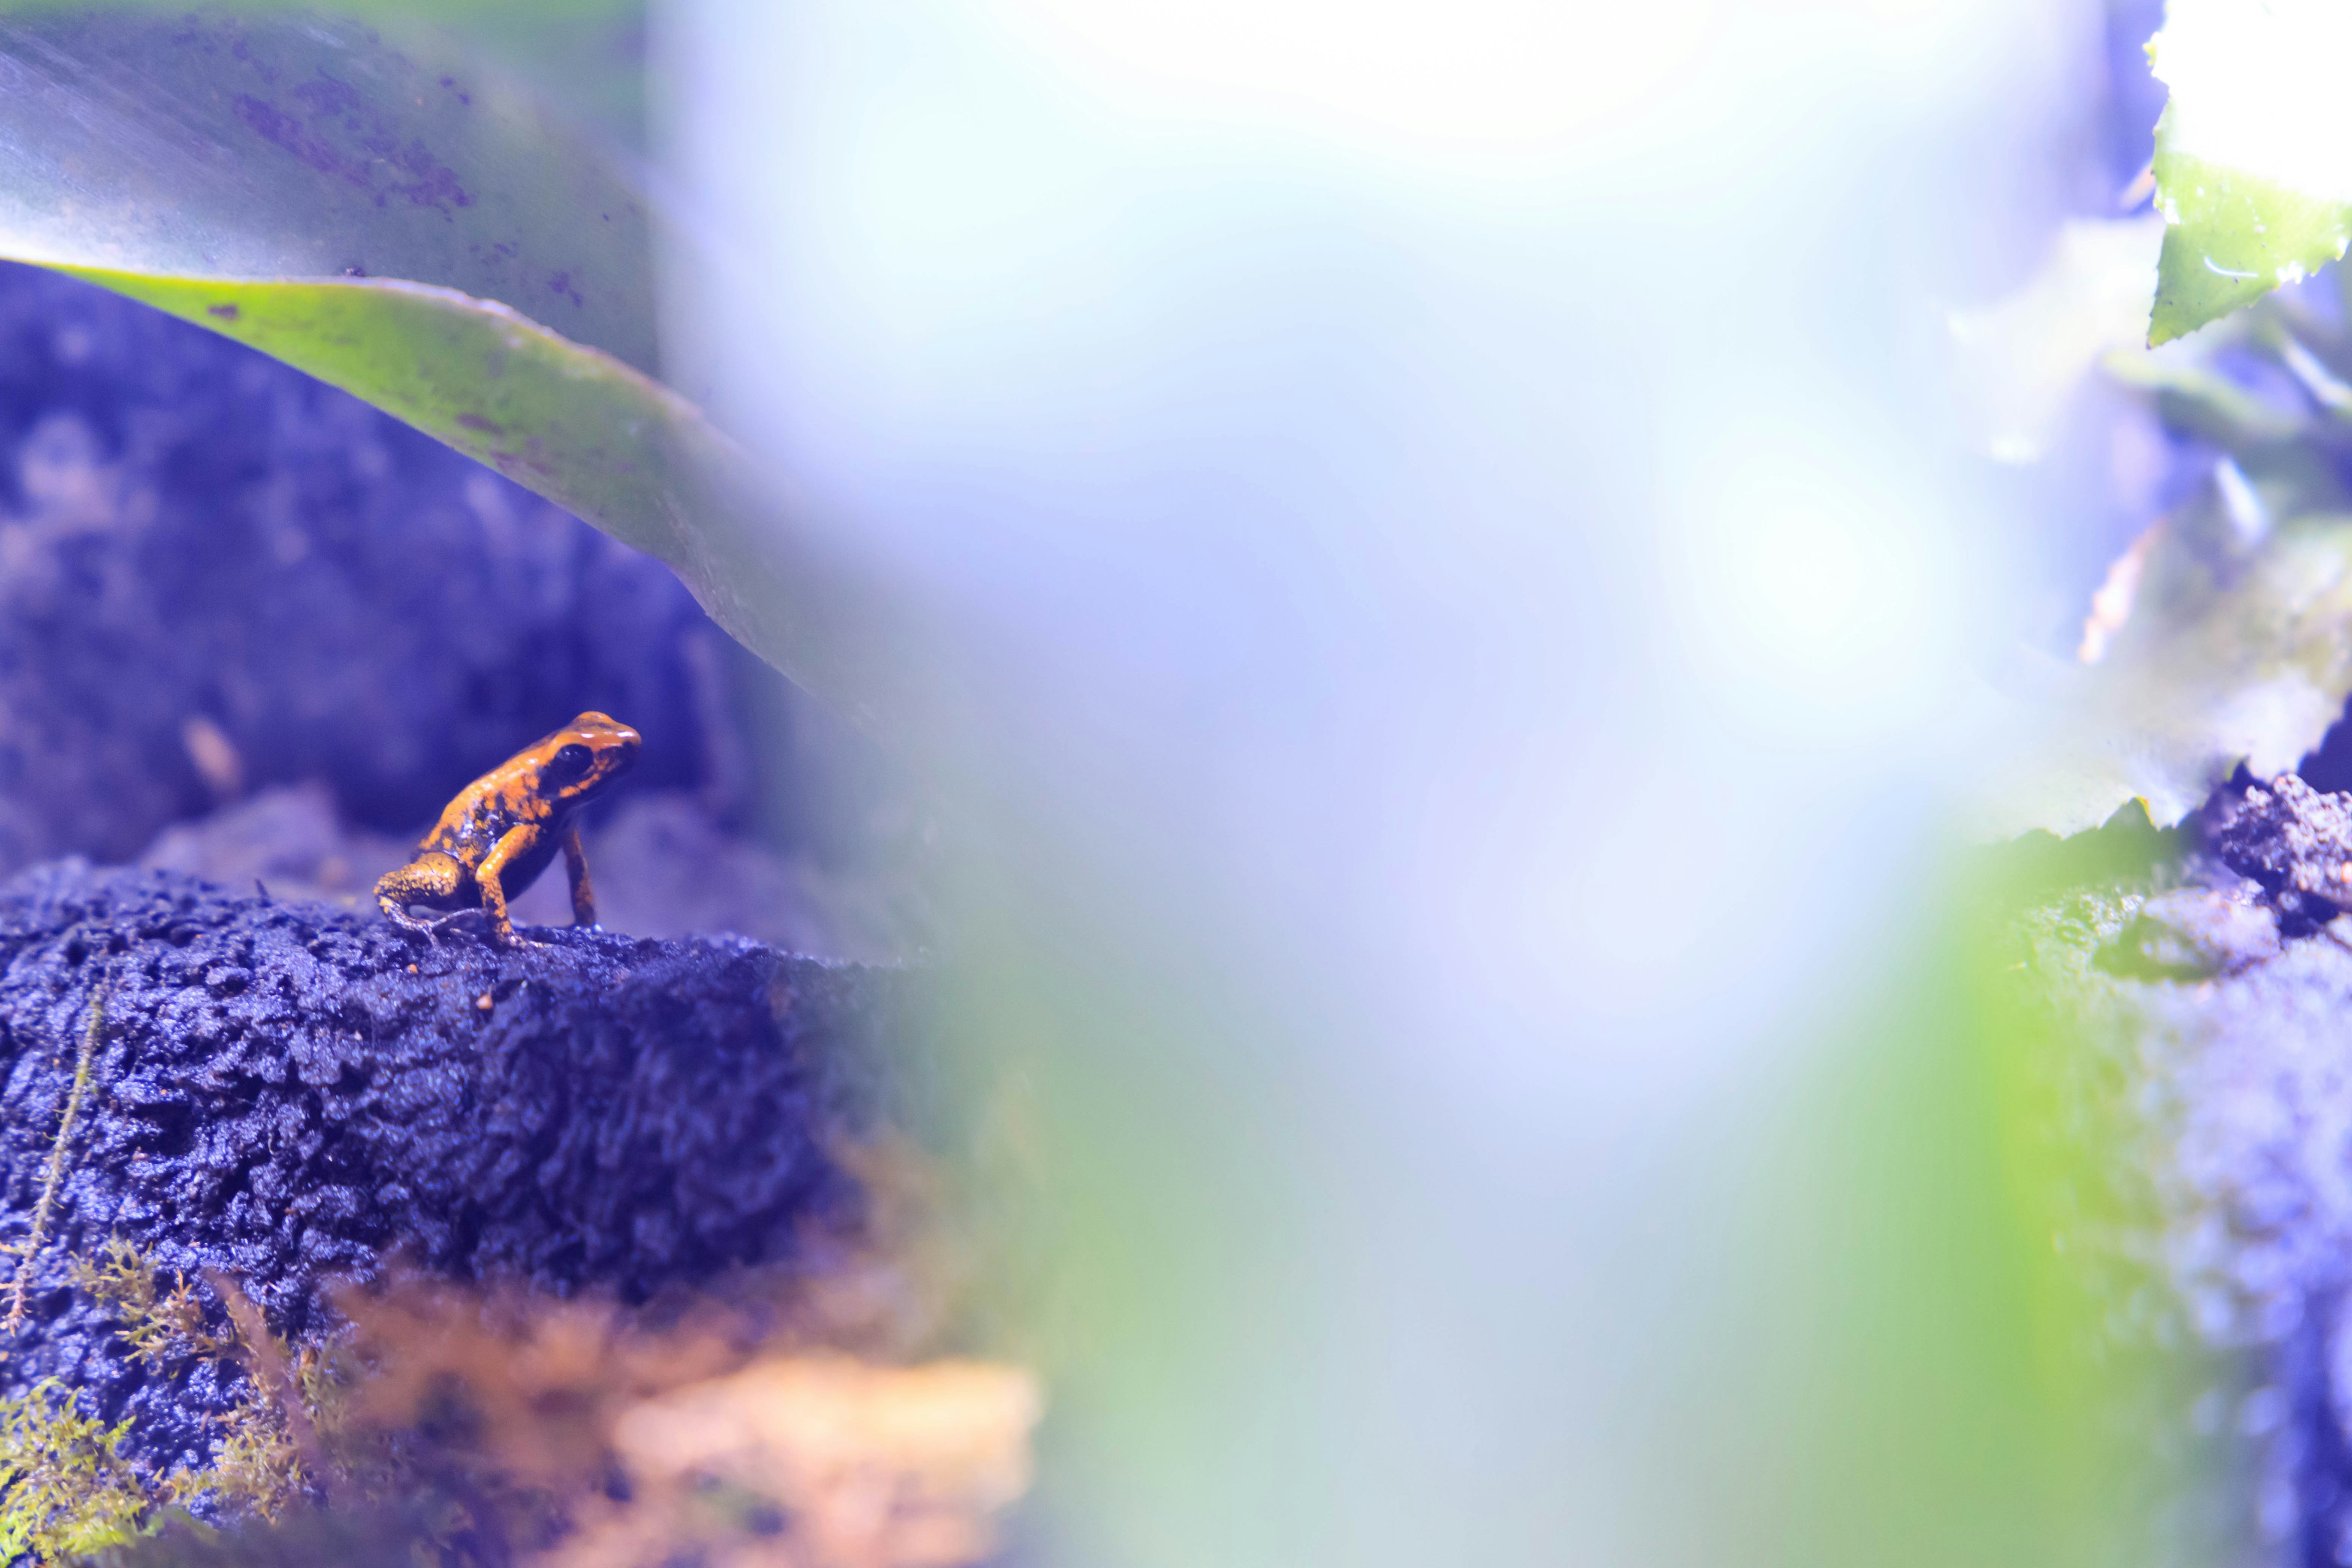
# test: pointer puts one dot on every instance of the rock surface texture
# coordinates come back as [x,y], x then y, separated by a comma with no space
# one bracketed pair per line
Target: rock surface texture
[286,1092]
[2206,1015]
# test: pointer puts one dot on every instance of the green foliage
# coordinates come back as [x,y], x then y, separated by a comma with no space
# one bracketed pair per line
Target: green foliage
[2231,236]
[373,208]
[159,1328]
[65,1488]
[581,427]
[255,1469]
[238,144]
[2249,169]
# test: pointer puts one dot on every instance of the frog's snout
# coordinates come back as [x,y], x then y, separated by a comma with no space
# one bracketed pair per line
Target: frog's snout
[614,743]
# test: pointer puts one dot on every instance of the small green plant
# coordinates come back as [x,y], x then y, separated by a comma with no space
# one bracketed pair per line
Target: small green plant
[160,1327]
[65,1488]
[258,1468]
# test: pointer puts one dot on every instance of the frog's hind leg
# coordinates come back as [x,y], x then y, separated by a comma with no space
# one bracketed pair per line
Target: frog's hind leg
[434,878]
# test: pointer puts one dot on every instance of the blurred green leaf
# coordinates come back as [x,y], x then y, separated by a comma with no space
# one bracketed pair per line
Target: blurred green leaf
[379,213]
[2224,659]
[304,145]
[2231,238]
[590,433]
[2252,197]
[2201,400]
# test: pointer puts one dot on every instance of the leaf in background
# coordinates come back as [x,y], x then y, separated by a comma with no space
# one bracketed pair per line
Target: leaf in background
[2221,661]
[303,145]
[590,433]
[404,227]
[2199,400]
[2253,157]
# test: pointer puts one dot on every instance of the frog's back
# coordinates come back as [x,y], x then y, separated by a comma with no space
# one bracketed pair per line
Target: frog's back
[484,812]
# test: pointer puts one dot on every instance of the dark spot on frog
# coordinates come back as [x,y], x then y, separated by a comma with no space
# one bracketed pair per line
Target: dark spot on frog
[561,283]
[355,270]
[225,312]
[476,422]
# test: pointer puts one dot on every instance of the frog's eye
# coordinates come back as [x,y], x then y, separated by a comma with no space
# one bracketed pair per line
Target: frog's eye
[568,763]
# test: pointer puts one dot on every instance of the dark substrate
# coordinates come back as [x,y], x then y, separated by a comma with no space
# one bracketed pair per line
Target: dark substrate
[277,1096]
[2208,1000]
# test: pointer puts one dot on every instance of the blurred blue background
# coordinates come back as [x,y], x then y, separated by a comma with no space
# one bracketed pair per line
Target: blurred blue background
[1457,607]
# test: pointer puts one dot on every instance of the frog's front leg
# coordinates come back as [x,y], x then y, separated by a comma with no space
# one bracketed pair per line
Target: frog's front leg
[575,867]
[434,878]
[490,876]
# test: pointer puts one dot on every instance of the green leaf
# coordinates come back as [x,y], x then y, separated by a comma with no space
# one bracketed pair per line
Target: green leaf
[2253,167]
[2231,236]
[592,434]
[409,229]
[304,145]
[2223,660]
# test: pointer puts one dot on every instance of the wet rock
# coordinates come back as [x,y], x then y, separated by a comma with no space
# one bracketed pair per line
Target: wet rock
[286,1093]
[2207,1200]
[2293,841]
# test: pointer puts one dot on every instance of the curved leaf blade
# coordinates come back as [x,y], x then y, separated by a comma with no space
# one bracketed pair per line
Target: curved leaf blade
[2254,169]
[2231,238]
[590,433]
[217,144]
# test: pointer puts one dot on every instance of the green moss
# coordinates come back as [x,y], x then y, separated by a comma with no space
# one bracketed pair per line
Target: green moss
[160,1327]
[65,1488]
[255,1469]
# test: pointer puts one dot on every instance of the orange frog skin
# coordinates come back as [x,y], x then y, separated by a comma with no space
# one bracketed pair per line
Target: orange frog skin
[500,832]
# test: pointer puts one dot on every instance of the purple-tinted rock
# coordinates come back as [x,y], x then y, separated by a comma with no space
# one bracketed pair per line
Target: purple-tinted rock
[2191,932]
[279,1094]
[2293,841]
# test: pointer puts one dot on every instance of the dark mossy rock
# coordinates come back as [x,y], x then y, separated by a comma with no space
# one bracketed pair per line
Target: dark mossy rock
[287,1093]
[2203,1017]
[2292,841]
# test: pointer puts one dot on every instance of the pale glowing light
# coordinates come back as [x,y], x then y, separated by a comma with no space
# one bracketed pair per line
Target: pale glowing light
[2020,360]
[1818,597]
[1490,643]
[2258,85]
[1476,74]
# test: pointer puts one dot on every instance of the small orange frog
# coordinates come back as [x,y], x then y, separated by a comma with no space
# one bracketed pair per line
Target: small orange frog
[500,832]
